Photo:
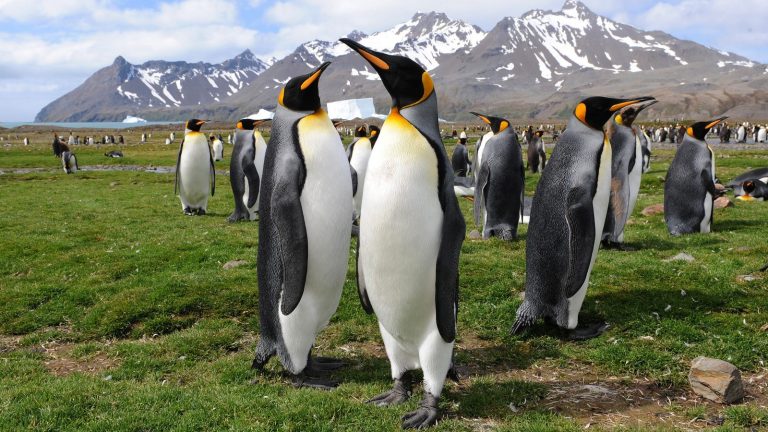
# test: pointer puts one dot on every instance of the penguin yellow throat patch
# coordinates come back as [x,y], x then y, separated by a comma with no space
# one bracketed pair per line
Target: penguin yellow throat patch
[396,119]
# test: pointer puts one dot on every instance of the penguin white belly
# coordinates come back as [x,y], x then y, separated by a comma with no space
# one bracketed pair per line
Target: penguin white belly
[218,150]
[260,147]
[359,161]
[194,172]
[401,235]
[326,207]
[600,209]
[706,224]
[480,149]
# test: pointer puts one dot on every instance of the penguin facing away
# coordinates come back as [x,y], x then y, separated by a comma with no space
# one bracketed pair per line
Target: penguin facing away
[244,175]
[567,217]
[69,161]
[500,183]
[358,153]
[537,156]
[689,189]
[304,232]
[195,174]
[626,171]
[410,237]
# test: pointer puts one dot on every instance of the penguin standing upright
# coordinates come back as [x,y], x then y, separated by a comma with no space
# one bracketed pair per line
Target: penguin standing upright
[195,174]
[68,160]
[536,153]
[411,233]
[500,182]
[358,153]
[304,231]
[567,217]
[645,147]
[244,176]
[689,189]
[626,170]
[218,148]
[460,159]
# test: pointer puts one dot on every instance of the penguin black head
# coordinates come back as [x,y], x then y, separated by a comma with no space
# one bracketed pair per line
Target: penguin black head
[301,93]
[699,130]
[374,133]
[497,124]
[361,131]
[194,125]
[628,116]
[539,134]
[597,110]
[248,124]
[407,82]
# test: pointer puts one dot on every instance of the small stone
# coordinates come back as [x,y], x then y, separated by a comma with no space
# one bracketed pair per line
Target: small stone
[646,338]
[108,378]
[683,293]
[716,380]
[112,184]
[723,202]
[764,328]
[682,256]
[653,210]
[747,278]
[182,357]
[234,263]
[475,235]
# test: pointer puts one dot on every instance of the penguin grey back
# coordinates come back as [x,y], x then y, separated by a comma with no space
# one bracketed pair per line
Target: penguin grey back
[689,179]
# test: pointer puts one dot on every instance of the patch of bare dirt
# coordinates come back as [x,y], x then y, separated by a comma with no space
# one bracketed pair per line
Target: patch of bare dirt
[60,360]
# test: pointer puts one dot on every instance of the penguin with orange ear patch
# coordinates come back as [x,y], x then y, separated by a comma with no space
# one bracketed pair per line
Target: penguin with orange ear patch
[689,190]
[567,218]
[304,232]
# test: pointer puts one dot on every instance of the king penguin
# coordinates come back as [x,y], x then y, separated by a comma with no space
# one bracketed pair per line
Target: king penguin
[567,217]
[411,233]
[359,152]
[304,232]
[195,174]
[244,175]
[479,149]
[626,170]
[500,182]
[753,190]
[218,148]
[537,156]
[689,190]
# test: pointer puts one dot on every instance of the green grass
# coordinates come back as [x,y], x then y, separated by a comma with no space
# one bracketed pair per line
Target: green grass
[101,269]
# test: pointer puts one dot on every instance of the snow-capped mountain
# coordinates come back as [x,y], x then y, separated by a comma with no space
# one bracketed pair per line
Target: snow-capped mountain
[534,66]
[154,84]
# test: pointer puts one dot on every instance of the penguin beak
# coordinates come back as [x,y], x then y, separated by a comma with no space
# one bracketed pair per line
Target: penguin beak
[482,117]
[714,123]
[315,75]
[201,122]
[628,102]
[373,57]
[745,198]
[239,125]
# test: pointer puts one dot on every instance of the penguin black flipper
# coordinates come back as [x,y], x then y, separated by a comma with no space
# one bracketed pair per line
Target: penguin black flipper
[252,175]
[364,301]
[481,192]
[353,172]
[287,217]
[178,163]
[213,172]
[581,227]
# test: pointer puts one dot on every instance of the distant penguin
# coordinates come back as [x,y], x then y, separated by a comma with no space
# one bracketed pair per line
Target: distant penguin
[500,182]
[58,146]
[741,134]
[26,141]
[567,217]
[172,136]
[626,170]
[645,147]
[195,174]
[411,233]
[689,189]
[460,159]
[218,149]
[114,154]
[244,176]
[304,231]
[537,155]
[68,160]
[479,148]
[143,138]
[358,153]
[761,134]
[754,190]
[167,141]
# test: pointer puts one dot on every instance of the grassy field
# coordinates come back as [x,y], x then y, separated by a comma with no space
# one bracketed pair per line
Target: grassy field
[116,314]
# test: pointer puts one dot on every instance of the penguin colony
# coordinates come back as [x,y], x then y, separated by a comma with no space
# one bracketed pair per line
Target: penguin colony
[397,189]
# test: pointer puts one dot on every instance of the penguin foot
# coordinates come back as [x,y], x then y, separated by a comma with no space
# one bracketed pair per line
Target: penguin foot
[234,217]
[588,331]
[201,212]
[188,211]
[324,364]
[423,417]
[608,244]
[400,393]
[355,230]
[303,380]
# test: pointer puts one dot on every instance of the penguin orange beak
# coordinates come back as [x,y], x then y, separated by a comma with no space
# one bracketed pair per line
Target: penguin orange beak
[370,55]
[715,122]
[315,75]
[482,117]
[201,122]
[745,198]
[629,102]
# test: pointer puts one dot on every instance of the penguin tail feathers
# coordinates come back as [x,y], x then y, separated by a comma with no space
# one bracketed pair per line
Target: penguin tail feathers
[526,316]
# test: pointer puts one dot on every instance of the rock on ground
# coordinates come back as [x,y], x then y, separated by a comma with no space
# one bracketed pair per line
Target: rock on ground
[682,256]
[716,380]
[723,202]
[475,235]
[234,263]
[653,210]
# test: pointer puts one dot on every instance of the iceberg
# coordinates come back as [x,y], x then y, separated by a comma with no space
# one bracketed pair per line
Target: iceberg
[132,119]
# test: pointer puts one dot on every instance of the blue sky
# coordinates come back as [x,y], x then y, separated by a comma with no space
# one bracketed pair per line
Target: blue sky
[48,47]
